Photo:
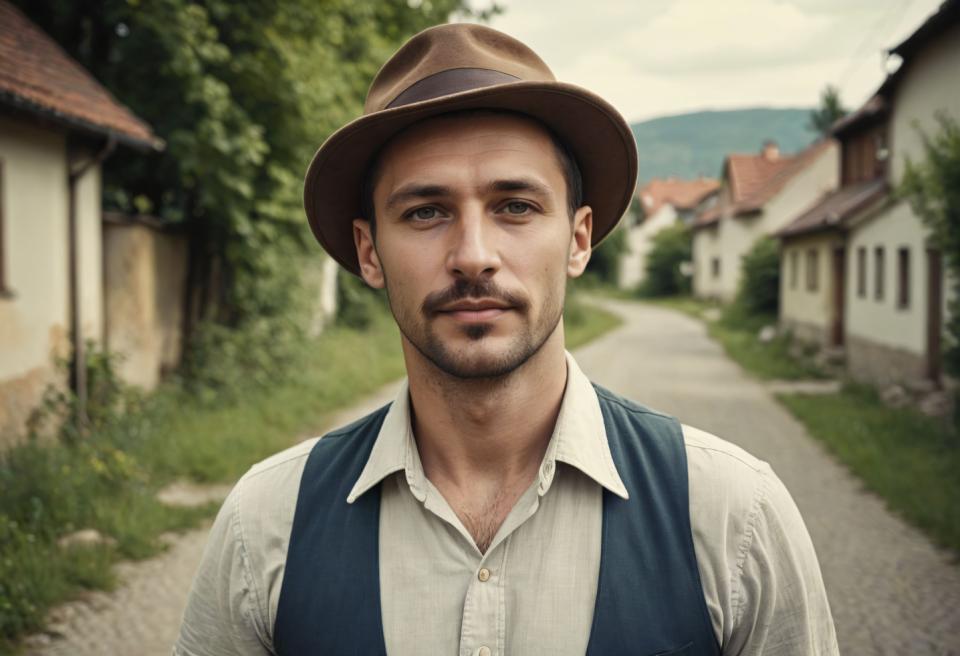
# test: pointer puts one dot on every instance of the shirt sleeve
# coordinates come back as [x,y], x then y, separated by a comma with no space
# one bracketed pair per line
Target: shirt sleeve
[780,604]
[222,616]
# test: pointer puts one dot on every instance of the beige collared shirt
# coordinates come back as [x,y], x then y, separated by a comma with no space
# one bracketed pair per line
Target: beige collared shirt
[533,591]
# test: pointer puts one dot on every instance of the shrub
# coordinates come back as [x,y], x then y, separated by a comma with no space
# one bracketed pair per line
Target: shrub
[759,291]
[664,276]
[604,265]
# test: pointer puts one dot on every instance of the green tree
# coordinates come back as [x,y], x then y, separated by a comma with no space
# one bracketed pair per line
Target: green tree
[932,187]
[672,247]
[759,292]
[829,111]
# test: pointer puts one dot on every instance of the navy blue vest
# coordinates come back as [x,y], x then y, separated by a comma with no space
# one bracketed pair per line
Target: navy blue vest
[649,597]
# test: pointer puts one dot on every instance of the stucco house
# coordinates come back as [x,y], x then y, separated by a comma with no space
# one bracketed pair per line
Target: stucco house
[663,202]
[759,194]
[882,292]
[57,124]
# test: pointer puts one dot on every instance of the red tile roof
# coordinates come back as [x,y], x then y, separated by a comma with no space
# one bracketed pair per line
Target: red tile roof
[836,207]
[37,76]
[754,178]
[682,194]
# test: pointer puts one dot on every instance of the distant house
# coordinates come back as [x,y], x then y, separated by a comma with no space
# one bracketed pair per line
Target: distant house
[858,270]
[57,124]
[759,194]
[663,202]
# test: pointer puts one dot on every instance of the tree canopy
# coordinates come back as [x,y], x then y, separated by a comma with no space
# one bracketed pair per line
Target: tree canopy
[828,112]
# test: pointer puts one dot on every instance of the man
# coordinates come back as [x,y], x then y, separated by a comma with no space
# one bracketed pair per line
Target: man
[501,504]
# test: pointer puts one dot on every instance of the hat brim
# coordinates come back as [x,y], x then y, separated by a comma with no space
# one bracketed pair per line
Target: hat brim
[594,130]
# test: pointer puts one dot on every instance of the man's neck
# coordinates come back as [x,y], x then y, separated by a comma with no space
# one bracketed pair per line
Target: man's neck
[486,432]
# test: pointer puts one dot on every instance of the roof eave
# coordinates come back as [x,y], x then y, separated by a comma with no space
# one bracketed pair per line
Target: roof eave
[73,123]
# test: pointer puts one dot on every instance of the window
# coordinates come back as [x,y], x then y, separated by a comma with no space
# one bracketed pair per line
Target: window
[903,278]
[862,272]
[715,267]
[878,273]
[813,268]
[794,268]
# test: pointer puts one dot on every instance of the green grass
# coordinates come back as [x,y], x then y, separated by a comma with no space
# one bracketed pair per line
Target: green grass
[909,459]
[583,323]
[108,481]
[737,333]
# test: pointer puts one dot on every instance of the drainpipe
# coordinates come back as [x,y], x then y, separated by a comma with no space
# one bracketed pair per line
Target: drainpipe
[78,368]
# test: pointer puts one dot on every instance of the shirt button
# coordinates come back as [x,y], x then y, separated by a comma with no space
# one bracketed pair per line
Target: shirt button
[484,576]
[484,651]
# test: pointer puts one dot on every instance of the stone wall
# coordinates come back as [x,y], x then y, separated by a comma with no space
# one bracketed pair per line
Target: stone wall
[870,362]
[145,269]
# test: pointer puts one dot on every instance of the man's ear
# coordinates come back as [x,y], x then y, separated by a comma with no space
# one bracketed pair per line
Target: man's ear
[580,241]
[370,268]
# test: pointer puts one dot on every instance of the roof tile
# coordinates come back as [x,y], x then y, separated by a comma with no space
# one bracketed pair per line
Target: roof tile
[37,75]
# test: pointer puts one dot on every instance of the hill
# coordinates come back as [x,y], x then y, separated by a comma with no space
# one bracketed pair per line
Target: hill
[688,145]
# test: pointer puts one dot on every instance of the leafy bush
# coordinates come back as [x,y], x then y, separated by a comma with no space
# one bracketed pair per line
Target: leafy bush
[759,291]
[672,247]
[604,265]
[932,187]
[357,303]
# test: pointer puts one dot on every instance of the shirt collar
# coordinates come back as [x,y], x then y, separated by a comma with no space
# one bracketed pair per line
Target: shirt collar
[579,439]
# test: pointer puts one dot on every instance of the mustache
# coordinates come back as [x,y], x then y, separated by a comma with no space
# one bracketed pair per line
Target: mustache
[478,288]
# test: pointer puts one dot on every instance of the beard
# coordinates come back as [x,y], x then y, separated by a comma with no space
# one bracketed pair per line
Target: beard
[477,359]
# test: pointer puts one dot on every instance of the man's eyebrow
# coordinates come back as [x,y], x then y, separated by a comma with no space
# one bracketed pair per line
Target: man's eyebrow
[520,184]
[416,190]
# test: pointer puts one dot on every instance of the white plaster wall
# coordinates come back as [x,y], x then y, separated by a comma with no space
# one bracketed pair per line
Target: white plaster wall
[797,303]
[633,263]
[737,235]
[34,322]
[90,253]
[706,246]
[930,84]
[881,321]
[802,191]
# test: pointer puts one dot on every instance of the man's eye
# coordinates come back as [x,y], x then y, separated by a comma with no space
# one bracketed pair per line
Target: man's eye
[517,207]
[424,213]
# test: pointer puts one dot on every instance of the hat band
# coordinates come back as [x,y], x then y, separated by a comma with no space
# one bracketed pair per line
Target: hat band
[450,81]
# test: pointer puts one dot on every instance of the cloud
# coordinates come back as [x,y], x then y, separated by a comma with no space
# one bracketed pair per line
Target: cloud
[668,56]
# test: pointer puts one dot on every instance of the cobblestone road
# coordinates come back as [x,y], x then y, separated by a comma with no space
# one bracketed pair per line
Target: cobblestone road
[891,592]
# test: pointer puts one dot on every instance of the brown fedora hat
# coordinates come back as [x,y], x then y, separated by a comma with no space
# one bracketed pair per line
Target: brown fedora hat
[467,66]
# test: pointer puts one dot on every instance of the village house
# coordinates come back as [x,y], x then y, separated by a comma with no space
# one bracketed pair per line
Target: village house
[858,271]
[759,194]
[662,202]
[57,125]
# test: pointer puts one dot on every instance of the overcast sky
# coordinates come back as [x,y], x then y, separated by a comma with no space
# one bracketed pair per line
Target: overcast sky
[659,57]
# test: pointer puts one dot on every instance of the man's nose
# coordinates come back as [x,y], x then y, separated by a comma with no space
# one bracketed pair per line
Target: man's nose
[473,252]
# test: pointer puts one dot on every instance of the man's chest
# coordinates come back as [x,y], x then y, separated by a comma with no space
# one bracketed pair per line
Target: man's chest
[532,592]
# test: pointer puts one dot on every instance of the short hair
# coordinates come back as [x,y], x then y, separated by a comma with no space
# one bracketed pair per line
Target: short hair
[568,166]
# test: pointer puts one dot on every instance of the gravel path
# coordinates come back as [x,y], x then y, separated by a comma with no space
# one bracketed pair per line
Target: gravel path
[890,590]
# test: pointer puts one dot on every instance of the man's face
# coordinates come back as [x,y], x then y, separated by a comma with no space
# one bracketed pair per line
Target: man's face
[474,241]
